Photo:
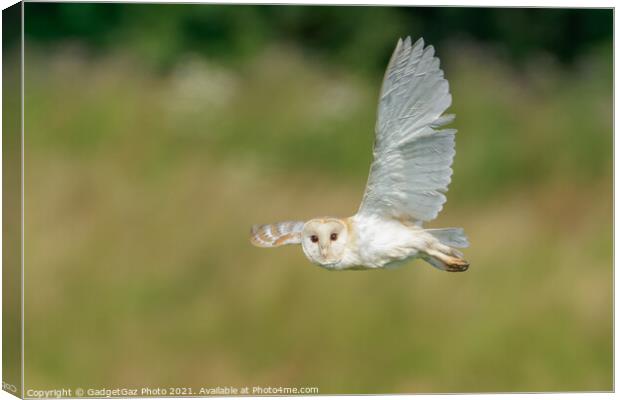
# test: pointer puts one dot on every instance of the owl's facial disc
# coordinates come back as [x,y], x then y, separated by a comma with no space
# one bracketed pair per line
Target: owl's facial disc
[324,240]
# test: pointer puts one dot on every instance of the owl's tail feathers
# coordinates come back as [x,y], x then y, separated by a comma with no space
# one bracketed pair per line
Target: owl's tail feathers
[443,255]
[453,237]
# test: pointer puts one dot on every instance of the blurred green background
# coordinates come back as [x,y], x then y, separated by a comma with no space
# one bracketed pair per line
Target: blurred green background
[156,135]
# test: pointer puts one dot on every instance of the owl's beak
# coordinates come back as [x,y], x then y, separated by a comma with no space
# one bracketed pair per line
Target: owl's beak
[323,251]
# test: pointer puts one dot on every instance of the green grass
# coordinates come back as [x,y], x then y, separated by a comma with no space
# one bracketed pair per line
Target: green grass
[141,188]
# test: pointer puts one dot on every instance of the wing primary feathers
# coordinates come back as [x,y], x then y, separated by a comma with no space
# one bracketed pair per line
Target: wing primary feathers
[412,156]
[276,234]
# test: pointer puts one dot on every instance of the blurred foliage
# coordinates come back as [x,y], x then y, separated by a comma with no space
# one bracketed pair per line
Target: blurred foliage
[319,119]
[141,188]
[11,201]
[355,36]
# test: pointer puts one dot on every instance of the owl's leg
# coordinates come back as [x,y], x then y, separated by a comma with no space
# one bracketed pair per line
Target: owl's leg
[445,258]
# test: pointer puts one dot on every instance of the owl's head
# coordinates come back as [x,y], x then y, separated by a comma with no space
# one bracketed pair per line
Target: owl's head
[324,240]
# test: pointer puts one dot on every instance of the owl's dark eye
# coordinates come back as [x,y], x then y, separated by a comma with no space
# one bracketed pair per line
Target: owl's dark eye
[334,236]
[314,238]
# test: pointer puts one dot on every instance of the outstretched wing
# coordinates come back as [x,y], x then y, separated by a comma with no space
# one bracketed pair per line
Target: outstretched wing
[278,234]
[412,156]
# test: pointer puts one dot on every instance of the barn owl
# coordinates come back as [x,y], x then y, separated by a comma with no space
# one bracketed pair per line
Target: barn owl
[409,175]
